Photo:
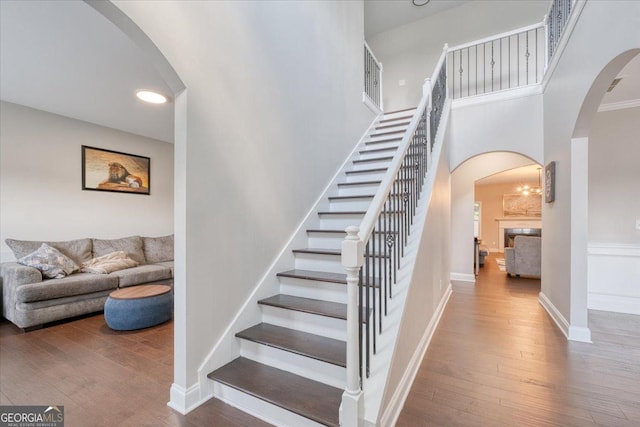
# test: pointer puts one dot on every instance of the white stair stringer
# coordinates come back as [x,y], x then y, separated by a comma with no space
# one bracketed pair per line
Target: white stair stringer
[346,207]
[374,386]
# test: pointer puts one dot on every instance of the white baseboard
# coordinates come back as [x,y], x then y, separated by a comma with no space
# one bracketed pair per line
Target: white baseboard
[185,400]
[463,277]
[573,333]
[615,303]
[392,412]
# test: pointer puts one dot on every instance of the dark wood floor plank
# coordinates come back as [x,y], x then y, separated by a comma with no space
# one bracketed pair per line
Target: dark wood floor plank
[498,358]
[102,377]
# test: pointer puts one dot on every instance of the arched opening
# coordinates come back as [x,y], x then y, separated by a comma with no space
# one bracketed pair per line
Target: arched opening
[605,138]
[490,179]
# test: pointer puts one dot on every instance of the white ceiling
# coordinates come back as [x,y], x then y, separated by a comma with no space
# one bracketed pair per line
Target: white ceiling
[383,15]
[629,87]
[65,58]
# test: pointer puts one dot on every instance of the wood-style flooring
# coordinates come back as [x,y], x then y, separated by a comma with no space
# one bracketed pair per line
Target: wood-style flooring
[102,377]
[497,359]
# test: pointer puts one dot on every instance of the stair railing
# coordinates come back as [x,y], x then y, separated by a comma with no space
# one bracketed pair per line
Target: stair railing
[555,21]
[372,253]
[513,59]
[372,77]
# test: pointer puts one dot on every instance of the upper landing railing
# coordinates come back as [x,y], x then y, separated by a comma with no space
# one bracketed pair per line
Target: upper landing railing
[372,77]
[509,60]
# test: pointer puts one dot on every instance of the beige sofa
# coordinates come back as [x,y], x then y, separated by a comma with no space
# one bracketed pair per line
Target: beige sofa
[29,301]
[524,259]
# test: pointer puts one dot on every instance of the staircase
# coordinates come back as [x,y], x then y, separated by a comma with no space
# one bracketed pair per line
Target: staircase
[291,368]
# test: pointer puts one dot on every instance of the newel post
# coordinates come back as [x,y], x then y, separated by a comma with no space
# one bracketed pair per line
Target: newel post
[352,409]
[426,91]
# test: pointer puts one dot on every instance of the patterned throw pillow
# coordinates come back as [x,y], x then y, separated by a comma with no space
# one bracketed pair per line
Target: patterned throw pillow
[51,262]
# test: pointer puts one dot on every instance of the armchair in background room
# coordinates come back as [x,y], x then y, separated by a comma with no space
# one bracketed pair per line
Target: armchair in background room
[524,259]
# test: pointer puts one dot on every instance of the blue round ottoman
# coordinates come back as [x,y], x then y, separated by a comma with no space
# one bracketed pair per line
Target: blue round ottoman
[138,307]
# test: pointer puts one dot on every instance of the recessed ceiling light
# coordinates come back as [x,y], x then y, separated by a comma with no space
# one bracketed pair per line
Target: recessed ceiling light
[151,97]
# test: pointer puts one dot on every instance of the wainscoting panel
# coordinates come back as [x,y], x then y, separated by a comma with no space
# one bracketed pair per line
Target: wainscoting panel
[614,277]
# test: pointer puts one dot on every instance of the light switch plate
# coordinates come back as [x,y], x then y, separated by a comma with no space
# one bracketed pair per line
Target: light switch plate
[401,83]
[637,223]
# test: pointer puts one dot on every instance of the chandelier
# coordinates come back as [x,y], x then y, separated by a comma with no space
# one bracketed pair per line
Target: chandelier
[527,189]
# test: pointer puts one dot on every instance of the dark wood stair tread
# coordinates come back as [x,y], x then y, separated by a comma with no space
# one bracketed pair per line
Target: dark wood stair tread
[404,123]
[393,132]
[333,252]
[342,212]
[321,276]
[373,159]
[309,345]
[379,150]
[324,230]
[307,305]
[382,141]
[361,196]
[346,184]
[310,399]
[357,171]
[386,113]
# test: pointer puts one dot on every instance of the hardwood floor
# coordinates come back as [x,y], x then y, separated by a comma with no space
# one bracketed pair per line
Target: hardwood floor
[497,359]
[102,377]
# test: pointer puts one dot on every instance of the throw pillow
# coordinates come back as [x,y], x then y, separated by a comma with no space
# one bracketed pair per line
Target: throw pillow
[158,249]
[109,263]
[51,262]
[78,250]
[131,245]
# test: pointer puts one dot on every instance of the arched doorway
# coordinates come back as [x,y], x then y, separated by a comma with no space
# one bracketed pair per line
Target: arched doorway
[463,180]
[605,139]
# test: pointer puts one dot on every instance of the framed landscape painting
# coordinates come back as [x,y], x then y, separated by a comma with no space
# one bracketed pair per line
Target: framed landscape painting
[107,170]
[521,205]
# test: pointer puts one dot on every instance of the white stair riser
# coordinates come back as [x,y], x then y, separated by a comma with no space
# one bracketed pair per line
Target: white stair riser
[350,204]
[357,190]
[367,152]
[259,408]
[319,325]
[393,128]
[333,241]
[340,223]
[315,262]
[326,291]
[385,144]
[373,165]
[307,367]
[384,136]
[368,176]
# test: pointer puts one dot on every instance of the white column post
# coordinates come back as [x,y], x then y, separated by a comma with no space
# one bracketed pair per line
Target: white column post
[352,408]
[546,42]
[380,78]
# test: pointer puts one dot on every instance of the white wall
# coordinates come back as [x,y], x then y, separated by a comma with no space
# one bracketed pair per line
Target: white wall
[497,124]
[614,206]
[591,47]
[410,52]
[462,199]
[41,196]
[273,108]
